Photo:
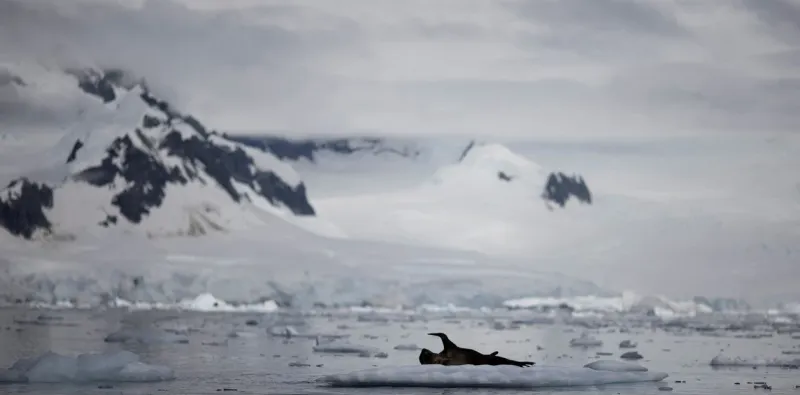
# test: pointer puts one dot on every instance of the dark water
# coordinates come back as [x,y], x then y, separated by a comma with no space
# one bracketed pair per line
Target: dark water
[260,363]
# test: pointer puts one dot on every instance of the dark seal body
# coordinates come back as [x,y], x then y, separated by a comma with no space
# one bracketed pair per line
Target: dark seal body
[453,355]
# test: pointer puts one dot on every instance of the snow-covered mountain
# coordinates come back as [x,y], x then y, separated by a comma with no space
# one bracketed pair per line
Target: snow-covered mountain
[114,162]
[142,165]
[113,192]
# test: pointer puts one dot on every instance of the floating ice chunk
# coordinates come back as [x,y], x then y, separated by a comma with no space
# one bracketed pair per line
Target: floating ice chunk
[283,330]
[112,366]
[145,336]
[485,377]
[615,366]
[142,372]
[627,344]
[585,341]
[291,331]
[343,347]
[723,360]
[631,355]
[238,334]
[406,347]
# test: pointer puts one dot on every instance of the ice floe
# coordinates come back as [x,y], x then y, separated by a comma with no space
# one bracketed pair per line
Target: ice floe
[725,360]
[145,336]
[615,366]
[112,366]
[344,347]
[486,377]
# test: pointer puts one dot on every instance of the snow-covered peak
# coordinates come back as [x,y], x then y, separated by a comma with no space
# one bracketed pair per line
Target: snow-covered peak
[134,162]
[489,163]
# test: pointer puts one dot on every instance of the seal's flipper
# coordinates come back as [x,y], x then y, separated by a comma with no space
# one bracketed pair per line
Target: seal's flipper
[495,360]
[493,354]
[446,343]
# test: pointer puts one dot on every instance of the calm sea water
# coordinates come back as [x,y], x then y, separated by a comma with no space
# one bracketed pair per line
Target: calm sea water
[260,364]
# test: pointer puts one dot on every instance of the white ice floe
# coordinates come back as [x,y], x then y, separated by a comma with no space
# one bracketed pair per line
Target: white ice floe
[343,347]
[486,377]
[406,347]
[615,366]
[204,302]
[724,360]
[113,366]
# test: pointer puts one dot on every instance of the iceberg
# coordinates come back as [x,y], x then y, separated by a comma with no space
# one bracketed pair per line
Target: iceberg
[111,366]
[471,376]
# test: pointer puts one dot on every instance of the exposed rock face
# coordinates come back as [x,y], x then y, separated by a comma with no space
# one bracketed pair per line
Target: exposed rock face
[143,162]
[560,187]
[294,149]
[22,206]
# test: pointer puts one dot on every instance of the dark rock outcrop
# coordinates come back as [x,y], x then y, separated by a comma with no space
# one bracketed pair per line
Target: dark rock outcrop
[225,166]
[294,149]
[504,177]
[560,187]
[145,178]
[22,207]
[72,153]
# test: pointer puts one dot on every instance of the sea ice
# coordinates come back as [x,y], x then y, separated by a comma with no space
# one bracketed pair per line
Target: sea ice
[724,360]
[343,347]
[585,341]
[485,377]
[145,336]
[627,344]
[615,366]
[407,347]
[111,366]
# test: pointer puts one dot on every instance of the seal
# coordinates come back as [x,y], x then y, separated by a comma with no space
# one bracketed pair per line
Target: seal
[453,355]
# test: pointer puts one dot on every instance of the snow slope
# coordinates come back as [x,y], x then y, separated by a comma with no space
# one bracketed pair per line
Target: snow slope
[485,200]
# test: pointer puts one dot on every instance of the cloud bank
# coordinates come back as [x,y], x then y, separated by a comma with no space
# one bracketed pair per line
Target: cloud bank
[545,68]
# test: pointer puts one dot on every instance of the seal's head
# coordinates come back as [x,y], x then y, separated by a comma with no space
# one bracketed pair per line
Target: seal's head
[427,357]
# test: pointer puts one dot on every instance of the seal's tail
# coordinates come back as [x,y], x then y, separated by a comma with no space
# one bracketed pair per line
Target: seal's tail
[496,360]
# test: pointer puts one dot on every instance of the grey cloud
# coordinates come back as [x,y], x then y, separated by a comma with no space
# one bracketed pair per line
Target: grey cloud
[787,60]
[187,55]
[591,16]
[610,31]
[449,30]
[314,65]
[781,18]
[712,96]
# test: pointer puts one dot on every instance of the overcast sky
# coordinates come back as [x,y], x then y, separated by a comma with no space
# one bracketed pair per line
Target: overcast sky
[567,68]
